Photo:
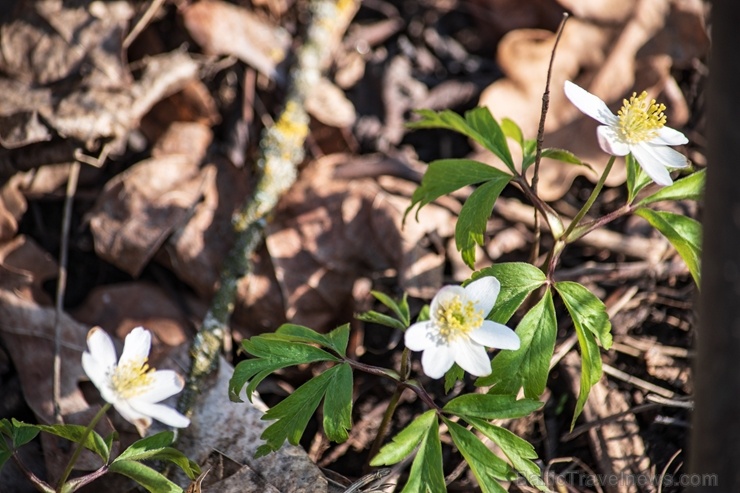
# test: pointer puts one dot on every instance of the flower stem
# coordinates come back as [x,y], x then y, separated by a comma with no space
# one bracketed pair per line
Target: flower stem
[590,202]
[81,445]
[39,484]
[385,423]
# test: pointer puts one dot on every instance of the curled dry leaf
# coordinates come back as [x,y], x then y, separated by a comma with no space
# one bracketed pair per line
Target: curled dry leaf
[222,28]
[328,104]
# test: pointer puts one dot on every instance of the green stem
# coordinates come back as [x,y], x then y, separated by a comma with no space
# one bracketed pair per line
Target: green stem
[81,445]
[385,423]
[590,202]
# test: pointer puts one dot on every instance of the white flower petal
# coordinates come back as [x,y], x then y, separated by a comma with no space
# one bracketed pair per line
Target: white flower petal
[437,360]
[166,383]
[471,357]
[97,373]
[492,334]
[420,336]
[444,296]
[483,293]
[611,142]
[670,136]
[589,104]
[670,158]
[136,346]
[652,164]
[101,348]
[160,412]
[136,418]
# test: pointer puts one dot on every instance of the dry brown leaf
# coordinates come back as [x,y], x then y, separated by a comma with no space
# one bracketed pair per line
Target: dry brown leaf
[140,208]
[24,267]
[328,104]
[222,28]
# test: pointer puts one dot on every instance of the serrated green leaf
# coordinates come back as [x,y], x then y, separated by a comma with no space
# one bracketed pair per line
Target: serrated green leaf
[487,468]
[512,131]
[493,138]
[586,310]
[517,279]
[684,234]
[272,353]
[292,414]
[74,433]
[147,477]
[338,405]
[529,365]
[471,224]
[637,179]
[453,375]
[156,447]
[404,443]
[478,124]
[690,187]
[491,406]
[426,475]
[447,175]
[336,340]
[381,319]
[518,451]
[401,308]
[22,433]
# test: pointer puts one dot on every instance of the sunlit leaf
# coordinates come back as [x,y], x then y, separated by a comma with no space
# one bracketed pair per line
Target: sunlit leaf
[491,406]
[404,443]
[528,366]
[486,467]
[684,234]
[517,279]
[690,187]
[147,477]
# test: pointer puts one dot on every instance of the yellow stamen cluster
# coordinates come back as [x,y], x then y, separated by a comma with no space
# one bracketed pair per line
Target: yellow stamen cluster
[455,318]
[132,378]
[640,120]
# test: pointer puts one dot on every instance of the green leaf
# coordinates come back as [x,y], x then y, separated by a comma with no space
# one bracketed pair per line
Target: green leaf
[21,432]
[684,234]
[637,179]
[453,375]
[426,475]
[486,467]
[517,279]
[478,124]
[491,406]
[147,477]
[338,405]
[564,156]
[518,451]
[471,225]
[293,413]
[381,319]
[591,322]
[512,131]
[529,154]
[336,340]
[690,187]
[272,353]
[5,451]
[447,175]
[529,365]
[156,447]
[586,310]
[401,308]
[406,441]
[74,433]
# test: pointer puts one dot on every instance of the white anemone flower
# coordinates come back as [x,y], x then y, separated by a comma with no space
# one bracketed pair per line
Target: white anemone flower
[638,128]
[130,384]
[458,330]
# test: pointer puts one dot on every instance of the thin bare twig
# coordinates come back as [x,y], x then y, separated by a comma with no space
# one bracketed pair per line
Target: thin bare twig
[142,23]
[74,174]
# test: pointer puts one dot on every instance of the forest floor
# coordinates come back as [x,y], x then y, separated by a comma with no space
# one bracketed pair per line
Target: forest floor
[164,102]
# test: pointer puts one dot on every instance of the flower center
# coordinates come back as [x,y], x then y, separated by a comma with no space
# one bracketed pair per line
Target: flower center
[457,318]
[640,119]
[132,378]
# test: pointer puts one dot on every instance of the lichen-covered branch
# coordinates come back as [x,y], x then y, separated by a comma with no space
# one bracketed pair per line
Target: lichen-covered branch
[282,150]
